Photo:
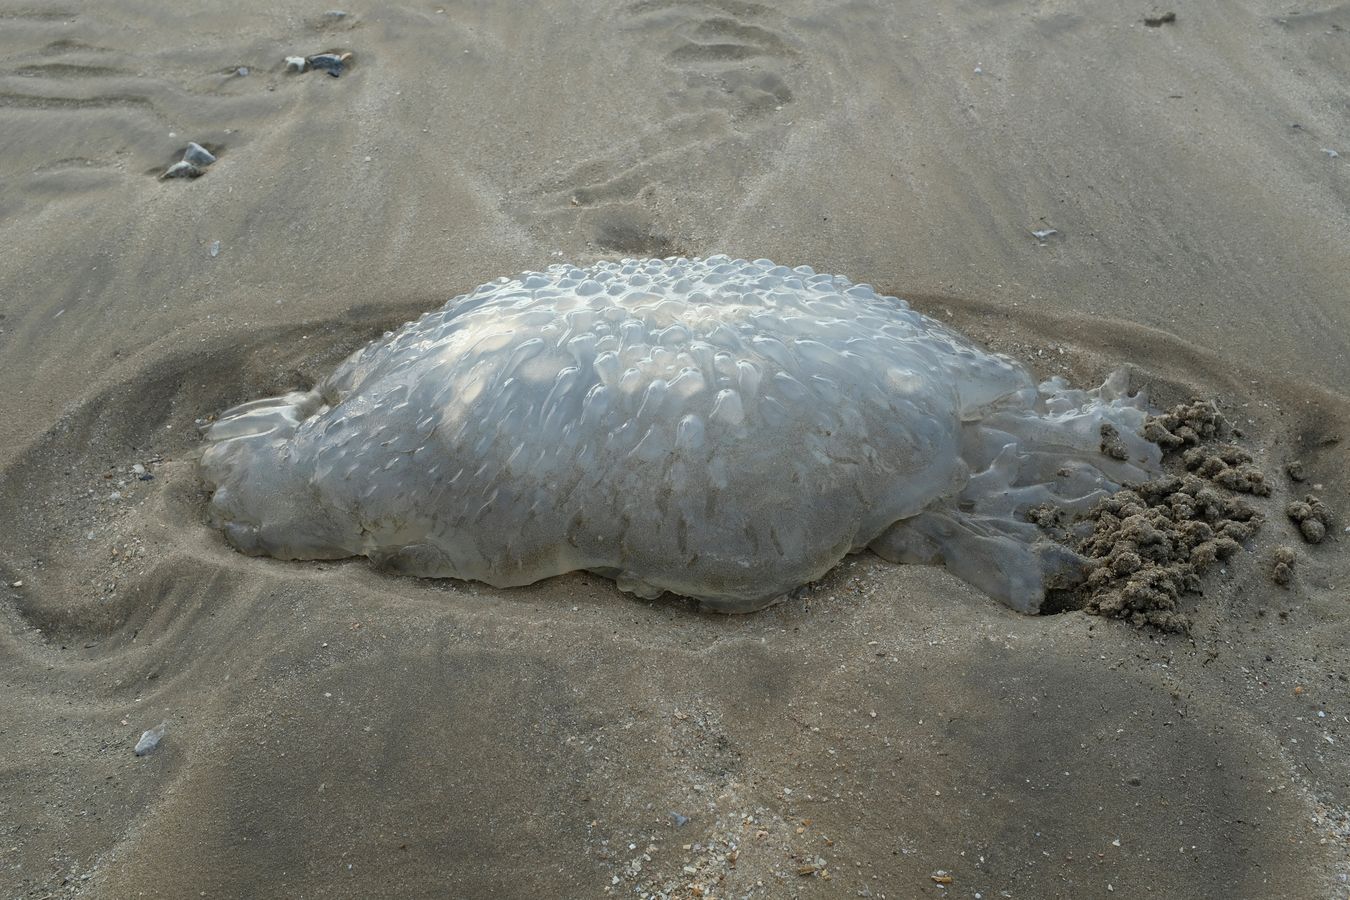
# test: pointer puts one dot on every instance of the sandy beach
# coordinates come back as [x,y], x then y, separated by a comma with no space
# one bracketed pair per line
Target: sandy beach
[332,731]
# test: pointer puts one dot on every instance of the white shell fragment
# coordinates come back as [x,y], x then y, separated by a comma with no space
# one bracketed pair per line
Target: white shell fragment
[722,429]
[198,155]
[182,169]
[150,739]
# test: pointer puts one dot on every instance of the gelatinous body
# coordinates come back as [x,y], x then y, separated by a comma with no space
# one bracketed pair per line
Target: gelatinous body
[723,429]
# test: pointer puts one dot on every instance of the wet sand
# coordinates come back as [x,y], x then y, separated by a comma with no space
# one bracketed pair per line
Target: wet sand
[332,731]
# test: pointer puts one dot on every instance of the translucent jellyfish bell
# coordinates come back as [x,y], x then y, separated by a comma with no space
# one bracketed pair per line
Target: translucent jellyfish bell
[722,429]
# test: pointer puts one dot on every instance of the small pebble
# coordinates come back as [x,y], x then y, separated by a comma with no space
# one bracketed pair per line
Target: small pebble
[215,249]
[679,820]
[241,71]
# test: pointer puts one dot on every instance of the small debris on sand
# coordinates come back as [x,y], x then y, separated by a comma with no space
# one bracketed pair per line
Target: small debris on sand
[182,169]
[193,164]
[1311,516]
[1295,471]
[333,63]
[1166,18]
[150,739]
[1112,445]
[198,155]
[1282,571]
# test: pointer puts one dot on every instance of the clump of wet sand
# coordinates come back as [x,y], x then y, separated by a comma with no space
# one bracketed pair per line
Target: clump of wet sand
[1229,466]
[1312,517]
[1282,567]
[1149,544]
[1186,425]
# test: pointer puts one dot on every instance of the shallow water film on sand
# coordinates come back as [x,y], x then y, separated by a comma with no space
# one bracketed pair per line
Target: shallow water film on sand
[722,429]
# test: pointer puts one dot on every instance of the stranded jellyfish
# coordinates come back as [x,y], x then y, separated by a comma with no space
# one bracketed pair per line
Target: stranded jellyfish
[721,429]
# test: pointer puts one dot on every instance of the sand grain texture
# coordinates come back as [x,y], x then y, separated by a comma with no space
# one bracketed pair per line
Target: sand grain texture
[336,732]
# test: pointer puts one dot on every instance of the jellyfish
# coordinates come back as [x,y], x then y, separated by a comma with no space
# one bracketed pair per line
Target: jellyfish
[722,429]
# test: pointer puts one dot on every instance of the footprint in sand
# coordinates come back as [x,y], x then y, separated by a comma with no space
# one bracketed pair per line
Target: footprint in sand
[729,68]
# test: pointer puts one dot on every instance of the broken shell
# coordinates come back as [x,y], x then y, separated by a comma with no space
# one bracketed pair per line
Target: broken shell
[296,64]
[197,155]
[182,169]
[332,63]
